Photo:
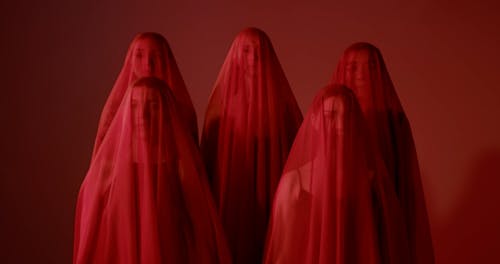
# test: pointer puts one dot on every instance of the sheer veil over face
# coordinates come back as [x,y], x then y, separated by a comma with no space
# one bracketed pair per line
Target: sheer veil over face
[145,119]
[331,206]
[250,123]
[149,55]
[145,198]
[363,69]
[358,70]
[147,59]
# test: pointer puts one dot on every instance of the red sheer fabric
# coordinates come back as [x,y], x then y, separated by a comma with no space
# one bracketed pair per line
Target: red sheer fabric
[362,69]
[250,123]
[332,204]
[145,198]
[149,55]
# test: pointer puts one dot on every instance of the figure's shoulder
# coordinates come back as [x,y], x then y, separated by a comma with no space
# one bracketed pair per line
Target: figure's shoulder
[293,182]
[289,186]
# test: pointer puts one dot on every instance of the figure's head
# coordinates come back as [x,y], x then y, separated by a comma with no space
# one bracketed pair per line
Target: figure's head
[361,68]
[329,112]
[333,112]
[146,104]
[148,56]
[358,68]
[249,47]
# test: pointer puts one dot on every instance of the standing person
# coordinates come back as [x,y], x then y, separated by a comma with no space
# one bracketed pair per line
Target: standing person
[145,198]
[332,204]
[362,69]
[250,123]
[149,55]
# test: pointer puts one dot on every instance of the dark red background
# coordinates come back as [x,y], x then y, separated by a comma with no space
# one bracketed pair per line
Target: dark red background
[60,58]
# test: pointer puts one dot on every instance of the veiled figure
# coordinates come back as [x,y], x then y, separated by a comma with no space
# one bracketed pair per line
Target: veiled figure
[333,204]
[362,68]
[250,123]
[145,198]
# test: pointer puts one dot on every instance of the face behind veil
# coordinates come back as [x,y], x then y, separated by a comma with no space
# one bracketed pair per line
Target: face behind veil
[250,122]
[149,55]
[145,198]
[362,68]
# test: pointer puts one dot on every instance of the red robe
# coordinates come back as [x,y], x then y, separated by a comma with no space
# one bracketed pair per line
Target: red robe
[333,204]
[250,124]
[145,198]
[362,69]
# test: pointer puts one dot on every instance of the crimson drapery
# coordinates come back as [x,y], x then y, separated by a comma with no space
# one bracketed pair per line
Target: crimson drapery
[334,204]
[145,198]
[362,68]
[250,123]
